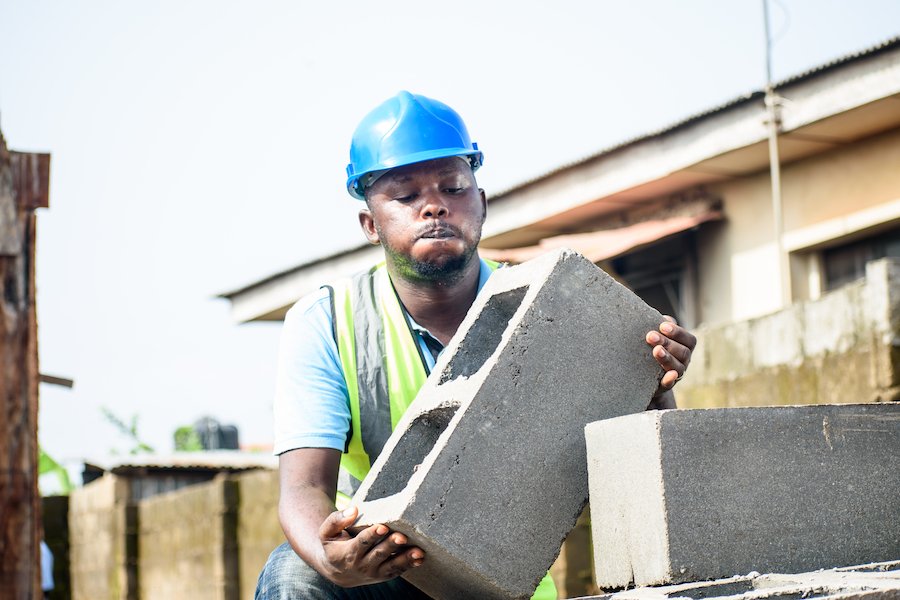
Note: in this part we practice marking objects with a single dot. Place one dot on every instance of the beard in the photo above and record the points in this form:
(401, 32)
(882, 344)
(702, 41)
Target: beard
(448, 270)
(444, 270)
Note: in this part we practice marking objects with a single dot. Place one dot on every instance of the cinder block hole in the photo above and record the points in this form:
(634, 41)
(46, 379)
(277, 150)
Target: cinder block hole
(409, 453)
(483, 337)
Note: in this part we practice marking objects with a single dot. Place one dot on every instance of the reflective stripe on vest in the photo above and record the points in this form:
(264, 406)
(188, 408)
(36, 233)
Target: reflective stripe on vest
(382, 365)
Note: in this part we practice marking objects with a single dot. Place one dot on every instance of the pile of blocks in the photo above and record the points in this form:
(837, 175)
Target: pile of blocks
(488, 469)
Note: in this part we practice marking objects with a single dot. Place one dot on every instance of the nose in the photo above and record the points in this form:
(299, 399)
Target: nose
(434, 207)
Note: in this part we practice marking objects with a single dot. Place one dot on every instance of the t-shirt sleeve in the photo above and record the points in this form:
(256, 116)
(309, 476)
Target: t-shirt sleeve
(311, 407)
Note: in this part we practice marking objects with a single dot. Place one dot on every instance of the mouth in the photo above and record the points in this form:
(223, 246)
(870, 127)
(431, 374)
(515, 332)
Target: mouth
(438, 233)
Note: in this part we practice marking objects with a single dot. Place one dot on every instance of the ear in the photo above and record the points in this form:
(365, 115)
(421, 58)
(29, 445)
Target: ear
(367, 223)
(483, 204)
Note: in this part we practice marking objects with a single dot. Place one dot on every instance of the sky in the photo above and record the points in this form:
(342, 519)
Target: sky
(200, 146)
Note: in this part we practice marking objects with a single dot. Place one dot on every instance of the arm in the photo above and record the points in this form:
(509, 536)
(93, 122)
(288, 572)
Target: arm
(672, 349)
(312, 416)
(317, 532)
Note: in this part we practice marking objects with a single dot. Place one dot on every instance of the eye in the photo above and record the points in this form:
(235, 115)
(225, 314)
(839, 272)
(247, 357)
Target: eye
(406, 198)
(455, 190)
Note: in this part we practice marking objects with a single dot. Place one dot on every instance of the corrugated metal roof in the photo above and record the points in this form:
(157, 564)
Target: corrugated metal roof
(883, 46)
(608, 243)
(740, 100)
(226, 460)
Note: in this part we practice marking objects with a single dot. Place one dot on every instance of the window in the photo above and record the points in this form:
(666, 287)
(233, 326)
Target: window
(846, 263)
(662, 275)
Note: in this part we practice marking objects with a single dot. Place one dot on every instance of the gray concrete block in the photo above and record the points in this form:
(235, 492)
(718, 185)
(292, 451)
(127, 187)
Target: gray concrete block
(687, 495)
(486, 471)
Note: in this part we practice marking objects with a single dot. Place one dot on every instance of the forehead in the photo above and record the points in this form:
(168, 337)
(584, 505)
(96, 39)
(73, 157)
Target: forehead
(440, 167)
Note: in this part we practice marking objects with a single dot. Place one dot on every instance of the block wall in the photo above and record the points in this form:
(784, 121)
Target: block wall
(188, 544)
(258, 528)
(102, 536)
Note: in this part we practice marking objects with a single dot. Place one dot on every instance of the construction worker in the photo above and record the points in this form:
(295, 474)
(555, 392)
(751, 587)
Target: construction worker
(354, 354)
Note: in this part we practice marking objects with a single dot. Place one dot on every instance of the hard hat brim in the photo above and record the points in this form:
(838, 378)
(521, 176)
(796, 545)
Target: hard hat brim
(474, 157)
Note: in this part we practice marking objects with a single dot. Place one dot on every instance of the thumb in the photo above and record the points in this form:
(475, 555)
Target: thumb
(337, 522)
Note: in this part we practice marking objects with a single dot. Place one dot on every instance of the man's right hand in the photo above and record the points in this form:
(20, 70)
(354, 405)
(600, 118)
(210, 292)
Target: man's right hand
(373, 555)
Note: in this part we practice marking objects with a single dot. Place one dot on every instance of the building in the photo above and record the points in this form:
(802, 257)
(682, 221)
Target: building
(684, 216)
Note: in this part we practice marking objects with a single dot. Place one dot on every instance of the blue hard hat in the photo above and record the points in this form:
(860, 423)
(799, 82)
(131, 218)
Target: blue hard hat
(403, 130)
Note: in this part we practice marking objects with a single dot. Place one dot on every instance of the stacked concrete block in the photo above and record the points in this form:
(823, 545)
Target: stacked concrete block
(103, 540)
(187, 546)
(486, 471)
(258, 528)
(688, 495)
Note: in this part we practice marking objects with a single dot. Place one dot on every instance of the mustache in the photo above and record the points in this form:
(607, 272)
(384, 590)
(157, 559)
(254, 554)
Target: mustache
(437, 229)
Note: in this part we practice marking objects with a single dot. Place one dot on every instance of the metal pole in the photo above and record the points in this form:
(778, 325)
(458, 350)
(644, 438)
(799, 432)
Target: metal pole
(773, 122)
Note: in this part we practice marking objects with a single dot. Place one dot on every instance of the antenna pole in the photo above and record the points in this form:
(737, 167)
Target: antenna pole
(773, 124)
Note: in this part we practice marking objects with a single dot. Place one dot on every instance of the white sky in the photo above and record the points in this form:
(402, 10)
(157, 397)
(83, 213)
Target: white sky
(199, 146)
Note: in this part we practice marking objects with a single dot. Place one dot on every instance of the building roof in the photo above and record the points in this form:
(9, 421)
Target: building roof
(848, 98)
(214, 460)
(755, 96)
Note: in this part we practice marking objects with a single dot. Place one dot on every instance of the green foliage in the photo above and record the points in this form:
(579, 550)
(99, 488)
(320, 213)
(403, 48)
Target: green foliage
(187, 439)
(46, 465)
(129, 431)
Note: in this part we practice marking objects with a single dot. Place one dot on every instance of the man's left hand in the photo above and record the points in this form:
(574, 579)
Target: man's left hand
(672, 348)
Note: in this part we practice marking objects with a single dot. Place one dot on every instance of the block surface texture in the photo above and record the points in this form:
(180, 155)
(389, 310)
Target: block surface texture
(486, 470)
(687, 495)
(877, 581)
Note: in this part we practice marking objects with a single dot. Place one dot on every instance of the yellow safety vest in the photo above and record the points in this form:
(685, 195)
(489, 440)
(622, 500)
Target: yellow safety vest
(383, 368)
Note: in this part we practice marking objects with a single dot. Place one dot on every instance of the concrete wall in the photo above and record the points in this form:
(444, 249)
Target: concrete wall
(837, 349)
(211, 541)
(188, 543)
(738, 262)
(258, 529)
(208, 540)
(101, 537)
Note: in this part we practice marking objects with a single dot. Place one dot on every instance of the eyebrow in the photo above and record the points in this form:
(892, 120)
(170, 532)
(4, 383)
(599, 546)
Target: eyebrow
(404, 178)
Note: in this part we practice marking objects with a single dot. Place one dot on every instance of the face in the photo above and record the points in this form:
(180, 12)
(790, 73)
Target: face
(428, 217)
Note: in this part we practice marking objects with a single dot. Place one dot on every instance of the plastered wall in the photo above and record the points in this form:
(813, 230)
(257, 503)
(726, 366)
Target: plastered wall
(738, 267)
(837, 349)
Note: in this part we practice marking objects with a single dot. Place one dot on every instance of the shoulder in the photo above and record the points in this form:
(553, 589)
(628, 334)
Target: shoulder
(308, 322)
(316, 307)
(309, 305)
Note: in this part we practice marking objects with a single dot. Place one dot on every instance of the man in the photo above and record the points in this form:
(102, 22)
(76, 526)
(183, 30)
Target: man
(354, 354)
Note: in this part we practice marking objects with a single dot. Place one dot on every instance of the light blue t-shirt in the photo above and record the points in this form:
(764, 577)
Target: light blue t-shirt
(312, 407)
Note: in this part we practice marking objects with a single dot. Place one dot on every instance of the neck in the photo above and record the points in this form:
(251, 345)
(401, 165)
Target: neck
(439, 306)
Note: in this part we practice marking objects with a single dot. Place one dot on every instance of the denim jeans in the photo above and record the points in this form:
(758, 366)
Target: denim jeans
(287, 577)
